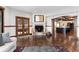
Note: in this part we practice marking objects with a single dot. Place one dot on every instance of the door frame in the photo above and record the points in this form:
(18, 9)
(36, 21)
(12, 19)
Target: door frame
(22, 23)
(2, 12)
(53, 28)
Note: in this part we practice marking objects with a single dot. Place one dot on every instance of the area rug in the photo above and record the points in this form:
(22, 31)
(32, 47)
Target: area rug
(18, 49)
(44, 49)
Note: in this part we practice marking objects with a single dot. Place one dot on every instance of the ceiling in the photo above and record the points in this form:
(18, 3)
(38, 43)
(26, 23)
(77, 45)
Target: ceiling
(39, 9)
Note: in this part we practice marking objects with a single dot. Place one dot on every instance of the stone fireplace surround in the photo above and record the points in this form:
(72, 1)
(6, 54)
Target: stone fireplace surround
(39, 27)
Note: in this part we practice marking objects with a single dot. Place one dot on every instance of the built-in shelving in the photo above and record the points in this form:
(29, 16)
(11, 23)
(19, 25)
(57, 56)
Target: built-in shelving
(22, 26)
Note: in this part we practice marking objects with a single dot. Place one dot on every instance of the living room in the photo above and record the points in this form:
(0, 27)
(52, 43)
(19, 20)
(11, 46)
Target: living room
(37, 28)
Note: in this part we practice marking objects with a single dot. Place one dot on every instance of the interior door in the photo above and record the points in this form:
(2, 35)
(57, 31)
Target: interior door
(19, 24)
(25, 26)
(22, 26)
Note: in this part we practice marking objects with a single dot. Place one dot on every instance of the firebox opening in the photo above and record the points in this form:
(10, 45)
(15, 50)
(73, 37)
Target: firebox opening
(38, 28)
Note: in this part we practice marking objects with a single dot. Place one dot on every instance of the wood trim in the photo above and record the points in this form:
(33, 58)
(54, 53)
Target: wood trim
(30, 33)
(9, 26)
(53, 30)
(22, 17)
(13, 36)
(2, 8)
(2, 12)
(16, 25)
(13, 26)
(28, 25)
(22, 25)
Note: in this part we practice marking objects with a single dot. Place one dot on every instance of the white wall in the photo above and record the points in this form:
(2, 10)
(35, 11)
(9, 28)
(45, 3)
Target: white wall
(73, 11)
(9, 19)
(49, 24)
(64, 12)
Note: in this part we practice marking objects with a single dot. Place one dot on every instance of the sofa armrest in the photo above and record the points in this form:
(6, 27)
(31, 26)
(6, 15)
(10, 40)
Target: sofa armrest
(13, 39)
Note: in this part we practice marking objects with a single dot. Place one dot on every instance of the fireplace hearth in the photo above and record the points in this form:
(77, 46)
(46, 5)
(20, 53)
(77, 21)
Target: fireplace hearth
(39, 28)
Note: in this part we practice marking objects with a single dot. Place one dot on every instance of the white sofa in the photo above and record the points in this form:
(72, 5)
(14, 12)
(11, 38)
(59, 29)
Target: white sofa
(10, 46)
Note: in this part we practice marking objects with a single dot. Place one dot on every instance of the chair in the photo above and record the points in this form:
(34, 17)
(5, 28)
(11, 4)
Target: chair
(49, 38)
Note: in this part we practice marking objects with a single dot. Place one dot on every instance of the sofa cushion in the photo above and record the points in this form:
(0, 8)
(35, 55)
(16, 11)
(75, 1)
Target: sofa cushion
(1, 40)
(6, 37)
(10, 46)
(7, 47)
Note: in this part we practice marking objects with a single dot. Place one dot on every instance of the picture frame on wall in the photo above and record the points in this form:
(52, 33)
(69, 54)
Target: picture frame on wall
(39, 18)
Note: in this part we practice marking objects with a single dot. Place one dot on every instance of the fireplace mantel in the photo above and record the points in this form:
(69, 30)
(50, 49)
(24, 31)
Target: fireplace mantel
(39, 24)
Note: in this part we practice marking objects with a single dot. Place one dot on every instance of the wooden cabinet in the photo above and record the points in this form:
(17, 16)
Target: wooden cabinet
(22, 26)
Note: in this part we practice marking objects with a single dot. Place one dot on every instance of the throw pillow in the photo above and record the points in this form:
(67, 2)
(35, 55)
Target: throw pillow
(6, 37)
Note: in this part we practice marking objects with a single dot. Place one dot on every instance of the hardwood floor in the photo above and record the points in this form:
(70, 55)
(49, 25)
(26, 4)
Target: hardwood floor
(69, 41)
(68, 44)
(34, 42)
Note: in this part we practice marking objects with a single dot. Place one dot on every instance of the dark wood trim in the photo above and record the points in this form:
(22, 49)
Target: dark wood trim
(16, 25)
(22, 17)
(53, 30)
(28, 25)
(9, 26)
(30, 33)
(2, 21)
(13, 26)
(53, 26)
(2, 12)
(2, 8)
(13, 36)
(22, 25)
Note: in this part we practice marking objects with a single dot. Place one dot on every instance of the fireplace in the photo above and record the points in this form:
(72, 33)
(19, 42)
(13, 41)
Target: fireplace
(39, 28)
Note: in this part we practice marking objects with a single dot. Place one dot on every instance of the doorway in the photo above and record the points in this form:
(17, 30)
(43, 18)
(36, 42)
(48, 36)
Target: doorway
(63, 27)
